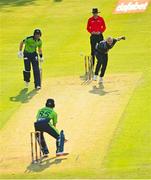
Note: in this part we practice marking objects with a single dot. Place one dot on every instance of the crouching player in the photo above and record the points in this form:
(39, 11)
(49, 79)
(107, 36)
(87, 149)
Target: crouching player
(46, 122)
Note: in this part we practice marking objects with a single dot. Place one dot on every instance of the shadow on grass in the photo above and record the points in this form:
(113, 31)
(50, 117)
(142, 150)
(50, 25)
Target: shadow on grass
(44, 164)
(100, 90)
(14, 3)
(24, 96)
(85, 80)
(57, 0)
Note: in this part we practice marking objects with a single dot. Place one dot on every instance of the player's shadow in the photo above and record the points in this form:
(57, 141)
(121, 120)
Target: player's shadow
(24, 96)
(85, 80)
(83, 77)
(8, 5)
(100, 90)
(44, 164)
(16, 2)
(57, 0)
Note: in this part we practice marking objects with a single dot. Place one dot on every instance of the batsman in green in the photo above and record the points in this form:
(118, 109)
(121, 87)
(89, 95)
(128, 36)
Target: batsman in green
(30, 55)
(46, 122)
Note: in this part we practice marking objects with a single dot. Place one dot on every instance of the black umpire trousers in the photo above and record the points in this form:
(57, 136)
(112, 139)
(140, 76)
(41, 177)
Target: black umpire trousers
(102, 60)
(31, 58)
(93, 40)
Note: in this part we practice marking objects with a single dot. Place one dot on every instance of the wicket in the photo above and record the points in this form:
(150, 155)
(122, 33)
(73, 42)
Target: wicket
(88, 67)
(36, 155)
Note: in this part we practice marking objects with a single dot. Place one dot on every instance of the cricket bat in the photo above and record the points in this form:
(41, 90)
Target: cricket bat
(40, 68)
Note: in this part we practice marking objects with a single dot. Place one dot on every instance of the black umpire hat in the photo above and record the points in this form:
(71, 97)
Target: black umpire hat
(95, 10)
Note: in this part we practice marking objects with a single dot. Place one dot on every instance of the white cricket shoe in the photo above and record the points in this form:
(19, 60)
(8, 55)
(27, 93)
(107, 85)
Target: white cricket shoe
(101, 80)
(94, 77)
(38, 87)
(26, 83)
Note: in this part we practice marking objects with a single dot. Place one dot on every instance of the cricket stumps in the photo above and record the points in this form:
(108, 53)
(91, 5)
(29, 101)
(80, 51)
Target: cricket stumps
(36, 155)
(88, 65)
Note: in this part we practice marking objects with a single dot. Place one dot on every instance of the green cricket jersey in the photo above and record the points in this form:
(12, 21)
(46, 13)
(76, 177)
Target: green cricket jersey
(31, 44)
(49, 114)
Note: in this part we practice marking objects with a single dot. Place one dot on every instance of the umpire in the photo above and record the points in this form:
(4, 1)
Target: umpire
(30, 56)
(101, 53)
(95, 26)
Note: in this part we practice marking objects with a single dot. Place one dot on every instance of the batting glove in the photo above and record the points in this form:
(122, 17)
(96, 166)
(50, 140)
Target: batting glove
(41, 59)
(20, 54)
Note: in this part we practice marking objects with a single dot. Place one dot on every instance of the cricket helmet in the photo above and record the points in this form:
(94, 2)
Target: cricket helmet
(37, 31)
(50, 103)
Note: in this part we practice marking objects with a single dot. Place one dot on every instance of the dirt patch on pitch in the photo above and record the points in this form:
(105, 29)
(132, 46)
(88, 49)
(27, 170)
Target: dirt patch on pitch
(88, 113)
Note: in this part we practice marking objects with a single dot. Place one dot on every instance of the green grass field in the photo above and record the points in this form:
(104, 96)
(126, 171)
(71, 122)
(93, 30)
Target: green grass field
(63, 25)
